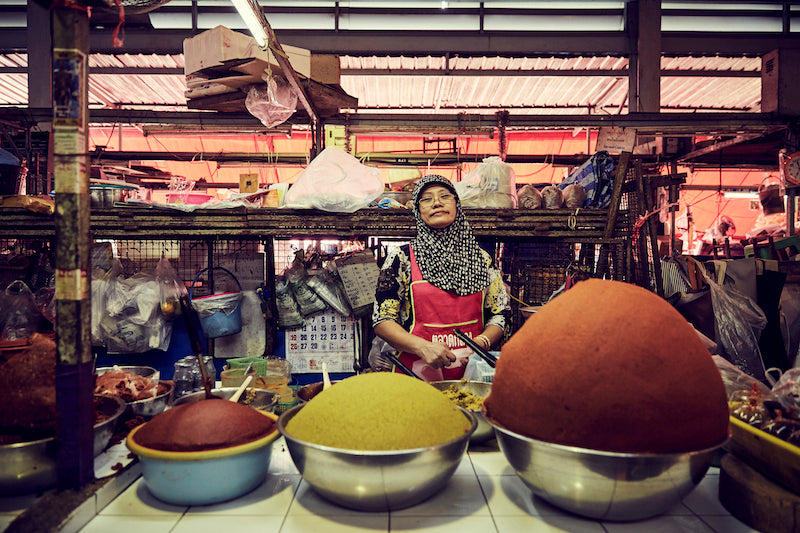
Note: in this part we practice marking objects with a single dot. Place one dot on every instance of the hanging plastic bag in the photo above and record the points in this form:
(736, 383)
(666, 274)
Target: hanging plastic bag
(335, 181)
(273, 102)
(307, 300)
(20, 315)
(491, 184)
(288, 313)
(130, 318)
(171, 288)
(328, 285)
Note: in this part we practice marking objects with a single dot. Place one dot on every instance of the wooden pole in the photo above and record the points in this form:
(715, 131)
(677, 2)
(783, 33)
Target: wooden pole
(74, 383)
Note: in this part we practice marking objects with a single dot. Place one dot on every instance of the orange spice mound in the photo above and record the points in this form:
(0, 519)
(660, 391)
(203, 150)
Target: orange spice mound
(610, 366)
(204, 425)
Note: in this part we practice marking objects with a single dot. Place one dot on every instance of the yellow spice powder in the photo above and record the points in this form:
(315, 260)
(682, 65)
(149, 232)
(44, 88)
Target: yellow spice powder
(379, 411)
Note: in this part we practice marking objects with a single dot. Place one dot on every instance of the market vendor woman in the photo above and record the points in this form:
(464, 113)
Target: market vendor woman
(441, 281)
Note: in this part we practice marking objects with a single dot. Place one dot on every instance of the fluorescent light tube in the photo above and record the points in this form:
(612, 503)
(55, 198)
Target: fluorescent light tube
(251, 13)
(748, 195)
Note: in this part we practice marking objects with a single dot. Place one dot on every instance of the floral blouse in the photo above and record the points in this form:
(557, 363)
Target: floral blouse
(393, 302)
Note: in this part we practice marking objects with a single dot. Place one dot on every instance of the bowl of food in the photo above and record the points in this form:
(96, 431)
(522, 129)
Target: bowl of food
(604, 485)
(261, 399)
(129, 383)
(107, 411)
(360, 458)
(614, 415)
(204, 452)
(148, 407)
(469, 395)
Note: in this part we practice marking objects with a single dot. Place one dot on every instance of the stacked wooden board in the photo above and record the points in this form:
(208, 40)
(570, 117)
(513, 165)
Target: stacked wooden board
(221, 65)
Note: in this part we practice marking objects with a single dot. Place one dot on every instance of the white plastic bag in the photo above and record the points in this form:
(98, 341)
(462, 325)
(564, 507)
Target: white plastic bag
(491, 184)
(335, 181)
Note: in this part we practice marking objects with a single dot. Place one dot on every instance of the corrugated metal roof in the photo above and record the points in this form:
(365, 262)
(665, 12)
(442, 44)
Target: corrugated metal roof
(523, 85)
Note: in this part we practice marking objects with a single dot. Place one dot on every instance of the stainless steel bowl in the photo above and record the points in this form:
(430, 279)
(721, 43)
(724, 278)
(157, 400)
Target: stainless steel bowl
(27, 467)
(484, 431)
(375, 480)
(262, 399)
(604, 485)
(152, 406)
(105, 429)
(31, 466)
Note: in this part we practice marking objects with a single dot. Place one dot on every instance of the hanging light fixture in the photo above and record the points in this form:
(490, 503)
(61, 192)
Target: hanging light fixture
(253, 17)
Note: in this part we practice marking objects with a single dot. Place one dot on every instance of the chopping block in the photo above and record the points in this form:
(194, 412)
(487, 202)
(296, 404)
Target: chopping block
(755, 499)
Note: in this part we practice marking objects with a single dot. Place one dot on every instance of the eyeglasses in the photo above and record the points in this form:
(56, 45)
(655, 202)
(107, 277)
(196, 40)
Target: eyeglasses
(427, 201)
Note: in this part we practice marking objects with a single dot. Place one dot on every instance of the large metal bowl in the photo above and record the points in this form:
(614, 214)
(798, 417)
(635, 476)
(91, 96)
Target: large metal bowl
(31, 466)
(484, 431)
(261, 399)
(604, 485)
(375, 480)
(204, 477)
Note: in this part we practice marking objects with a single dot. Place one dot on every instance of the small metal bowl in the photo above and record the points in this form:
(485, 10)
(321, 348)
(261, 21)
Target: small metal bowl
(262, 399)
(484, 430)
(375, 480)
(204, 477)
(152, 406)
(604, 485)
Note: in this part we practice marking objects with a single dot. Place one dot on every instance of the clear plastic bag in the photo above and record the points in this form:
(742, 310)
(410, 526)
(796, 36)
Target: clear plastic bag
(21, 316)
(738, 324)
(491, 184)
(479, 370)
(273, 102)
(335, 181)
(377, 355)
(328, 285)
(308, 302)
(288, 313)
(171, 288)
(130, 318)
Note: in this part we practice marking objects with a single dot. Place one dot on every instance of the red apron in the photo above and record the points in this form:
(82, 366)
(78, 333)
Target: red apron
(437, 313)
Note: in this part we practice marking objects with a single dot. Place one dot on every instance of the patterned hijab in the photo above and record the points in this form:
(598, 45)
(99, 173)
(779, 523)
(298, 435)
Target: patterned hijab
(449, 258)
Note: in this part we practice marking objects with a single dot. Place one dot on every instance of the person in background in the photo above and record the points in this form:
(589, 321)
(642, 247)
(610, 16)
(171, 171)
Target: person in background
(441, 281)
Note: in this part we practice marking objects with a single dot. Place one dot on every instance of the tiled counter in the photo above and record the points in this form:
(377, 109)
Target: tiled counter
(483, 496)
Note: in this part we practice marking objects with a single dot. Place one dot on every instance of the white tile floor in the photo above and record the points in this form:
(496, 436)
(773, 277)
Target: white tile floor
(483, 496)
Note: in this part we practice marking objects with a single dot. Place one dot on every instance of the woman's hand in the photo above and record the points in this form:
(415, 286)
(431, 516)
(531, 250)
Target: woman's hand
(435, 354)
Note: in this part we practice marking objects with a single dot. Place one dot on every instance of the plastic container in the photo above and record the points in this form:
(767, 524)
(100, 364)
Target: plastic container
(193, 198)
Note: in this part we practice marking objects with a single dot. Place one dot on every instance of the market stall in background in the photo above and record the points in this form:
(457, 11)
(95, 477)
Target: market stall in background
(232, 253)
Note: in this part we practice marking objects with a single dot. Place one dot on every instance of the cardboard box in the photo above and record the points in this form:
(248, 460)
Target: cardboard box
(325, 68)
(222, 48)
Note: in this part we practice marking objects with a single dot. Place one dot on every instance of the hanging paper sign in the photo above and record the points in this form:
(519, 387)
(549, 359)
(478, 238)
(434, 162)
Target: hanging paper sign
(359, 274)
(615, 140)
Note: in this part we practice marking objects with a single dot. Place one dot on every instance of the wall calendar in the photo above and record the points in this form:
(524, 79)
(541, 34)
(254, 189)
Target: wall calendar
(328, 337)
